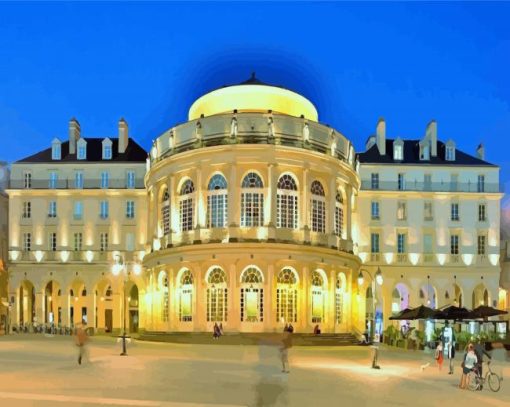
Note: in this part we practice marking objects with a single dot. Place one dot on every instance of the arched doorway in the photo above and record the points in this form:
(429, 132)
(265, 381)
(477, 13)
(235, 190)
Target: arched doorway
(252, 295)
(52, 304)
(26, 303)
(132, 307)
(318, 294)
(217, 295)
(286, 296)
(339, 298)
(480, 296)
(164, 295)
(185, 295)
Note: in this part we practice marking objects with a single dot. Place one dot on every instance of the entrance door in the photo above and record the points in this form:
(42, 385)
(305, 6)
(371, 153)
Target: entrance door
(108, 320)
(133, 320)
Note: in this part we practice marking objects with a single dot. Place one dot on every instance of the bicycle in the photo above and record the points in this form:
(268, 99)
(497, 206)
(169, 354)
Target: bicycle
(476, 381)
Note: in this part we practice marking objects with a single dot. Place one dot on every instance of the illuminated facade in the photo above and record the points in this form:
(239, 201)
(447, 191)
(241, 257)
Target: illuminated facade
(4, 210)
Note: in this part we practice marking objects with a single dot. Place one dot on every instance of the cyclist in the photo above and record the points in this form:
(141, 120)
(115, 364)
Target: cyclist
(480, 351)
(469, 363)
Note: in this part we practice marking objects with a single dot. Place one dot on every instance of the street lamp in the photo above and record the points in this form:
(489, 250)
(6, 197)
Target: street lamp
(118, 267)
(379, 280)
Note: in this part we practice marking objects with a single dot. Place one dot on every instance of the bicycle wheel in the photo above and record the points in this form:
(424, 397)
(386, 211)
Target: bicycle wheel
(494, 381)
(472, 381)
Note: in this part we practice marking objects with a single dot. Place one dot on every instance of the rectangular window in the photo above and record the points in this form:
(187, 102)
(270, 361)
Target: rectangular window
(53, 180)
(103, 242)
(481, 183)
(52, 242)
(27, 180)
(339, 220)
(375, 181)
(130, 179)
(78, 210)
(401, 182)
(82, 151)
(130, 209)
(427, 182)
(104, 179)
(78, 242)
(427, 243)
(78, 179)
(374, 243)
(401, 211)
(482, 212)
(375, 210)
(130, 242)
(481, 244)
(454, 244)
(428, 213)
(398, 152)
(27, 242)
(450, 154)
(107, 152)
(186, 214)
(103, 209)
(55, 152)
(27, 210)
(455, 212)
(401, 243)
(52, 209)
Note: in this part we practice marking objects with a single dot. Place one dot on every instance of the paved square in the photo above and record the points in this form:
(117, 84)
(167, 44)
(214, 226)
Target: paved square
(43, 371)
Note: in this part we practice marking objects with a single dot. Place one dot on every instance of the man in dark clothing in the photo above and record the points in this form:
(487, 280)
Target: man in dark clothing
(479, 352)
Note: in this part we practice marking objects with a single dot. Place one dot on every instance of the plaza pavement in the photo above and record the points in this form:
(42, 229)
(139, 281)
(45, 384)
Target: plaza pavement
(42, 371)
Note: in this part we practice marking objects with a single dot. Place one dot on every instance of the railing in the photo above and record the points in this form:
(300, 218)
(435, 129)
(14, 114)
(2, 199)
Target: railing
(62, 256)
(86, 183)
(375, 257)
(428, 258)
(402, 257)
(433, 187)
(454, 258)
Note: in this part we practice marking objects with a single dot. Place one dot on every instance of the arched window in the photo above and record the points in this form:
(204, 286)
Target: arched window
(252, 201)
(339, 297)
(186, 205)
(165, 211)
(318, 207)
(339, 215)
(163, 288)
(286, 296)
(186, 296)
(252, 295)
(287, 202)
(217, 202)
(318, 300)
(217, 295)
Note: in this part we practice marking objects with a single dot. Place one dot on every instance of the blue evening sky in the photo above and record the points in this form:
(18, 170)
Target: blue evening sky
(407, 62)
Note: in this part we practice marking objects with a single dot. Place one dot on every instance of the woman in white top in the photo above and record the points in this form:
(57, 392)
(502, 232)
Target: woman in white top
(470, 360)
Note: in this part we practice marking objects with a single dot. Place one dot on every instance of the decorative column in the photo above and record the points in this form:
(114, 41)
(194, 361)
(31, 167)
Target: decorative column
(348, 211)
(175, 226)
(39, 306)
(117, 312)
(234, 204)
(234, 314)
(272, 200)
(330, 217)
(199, 212)
(306, 313)
(270, 317)
(305, 206)
(330, 305)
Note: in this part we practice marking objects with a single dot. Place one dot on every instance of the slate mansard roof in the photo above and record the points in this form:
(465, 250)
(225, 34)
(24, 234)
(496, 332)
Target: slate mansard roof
(134, 153)
(412, 155)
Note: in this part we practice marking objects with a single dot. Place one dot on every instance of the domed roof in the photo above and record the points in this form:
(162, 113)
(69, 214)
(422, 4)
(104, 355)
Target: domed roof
(253, 95)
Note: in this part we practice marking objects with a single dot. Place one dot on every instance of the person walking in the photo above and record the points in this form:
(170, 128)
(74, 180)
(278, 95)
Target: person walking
(284, 351)
(451, 356)
(81, 340)
(469, 363)
(439, 355)
(480, 351)
(216, 331)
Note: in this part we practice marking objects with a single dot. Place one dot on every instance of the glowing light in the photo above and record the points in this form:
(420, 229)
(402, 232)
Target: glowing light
(388, 257)
(14, 255)
(64, 255)
(156, 244)
(141, 255)
(137, 269)
(363, 256)
(494, 259)
(253, 98)
(75, 299)
(414, 258)
(441, 258)
(39, 255)
(102, 298)
(49, 298)
(116, 268)
(379, 277)
(468, 259)
(89, 255)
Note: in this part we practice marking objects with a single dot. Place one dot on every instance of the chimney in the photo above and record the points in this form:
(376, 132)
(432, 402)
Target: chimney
(380, 137)
(431, 135)
(123, 136)
(74, 135)
(480, 152)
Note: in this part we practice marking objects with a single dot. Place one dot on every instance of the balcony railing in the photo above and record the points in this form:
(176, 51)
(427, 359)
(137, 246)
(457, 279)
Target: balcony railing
(454, 258)
(87, 183)
(428, 258)
(61, 256)
(433, 187)
(402, 257)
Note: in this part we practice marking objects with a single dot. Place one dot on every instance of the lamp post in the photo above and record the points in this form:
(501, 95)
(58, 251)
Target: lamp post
(379, 280)
(119, 266)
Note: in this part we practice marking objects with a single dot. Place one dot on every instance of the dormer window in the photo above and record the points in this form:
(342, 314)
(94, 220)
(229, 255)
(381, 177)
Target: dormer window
(450, 151)
(425, 152)
(398, 150)
(56, 150)
(107, 149)
(82, 149)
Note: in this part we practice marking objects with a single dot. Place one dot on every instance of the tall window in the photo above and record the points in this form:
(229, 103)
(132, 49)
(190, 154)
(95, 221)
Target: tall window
(401, 182)
(27, 210)
(103, 209)
(398, 152)
(252, 295)
(107, 152)
(165, 212)
(27, 178)
(103, 242)
(481, 245)
(374, 210)
(401, 210)
(318, 294)
(217, 296)
(339, 215)
(450, 153)
(78, 210)
(130, 179)
(130, 209)
(287, 202)
(165, 298)
(339, 296)
(186, 205)
(455, 211)
(52, 209)
(82, 150)
(52, 242)
(27, 242)
(375, 181)
(217, 202)
(78, 179)
(286, 296)
(482, 212)
(318, 207)
(78, 242)
(55, 151)
(104, 179)
(186, 297)
(252, 200)
(454, 244)
(428, 213)
(481, 183)
(401, 243)
(374, 242)
(53, 180)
